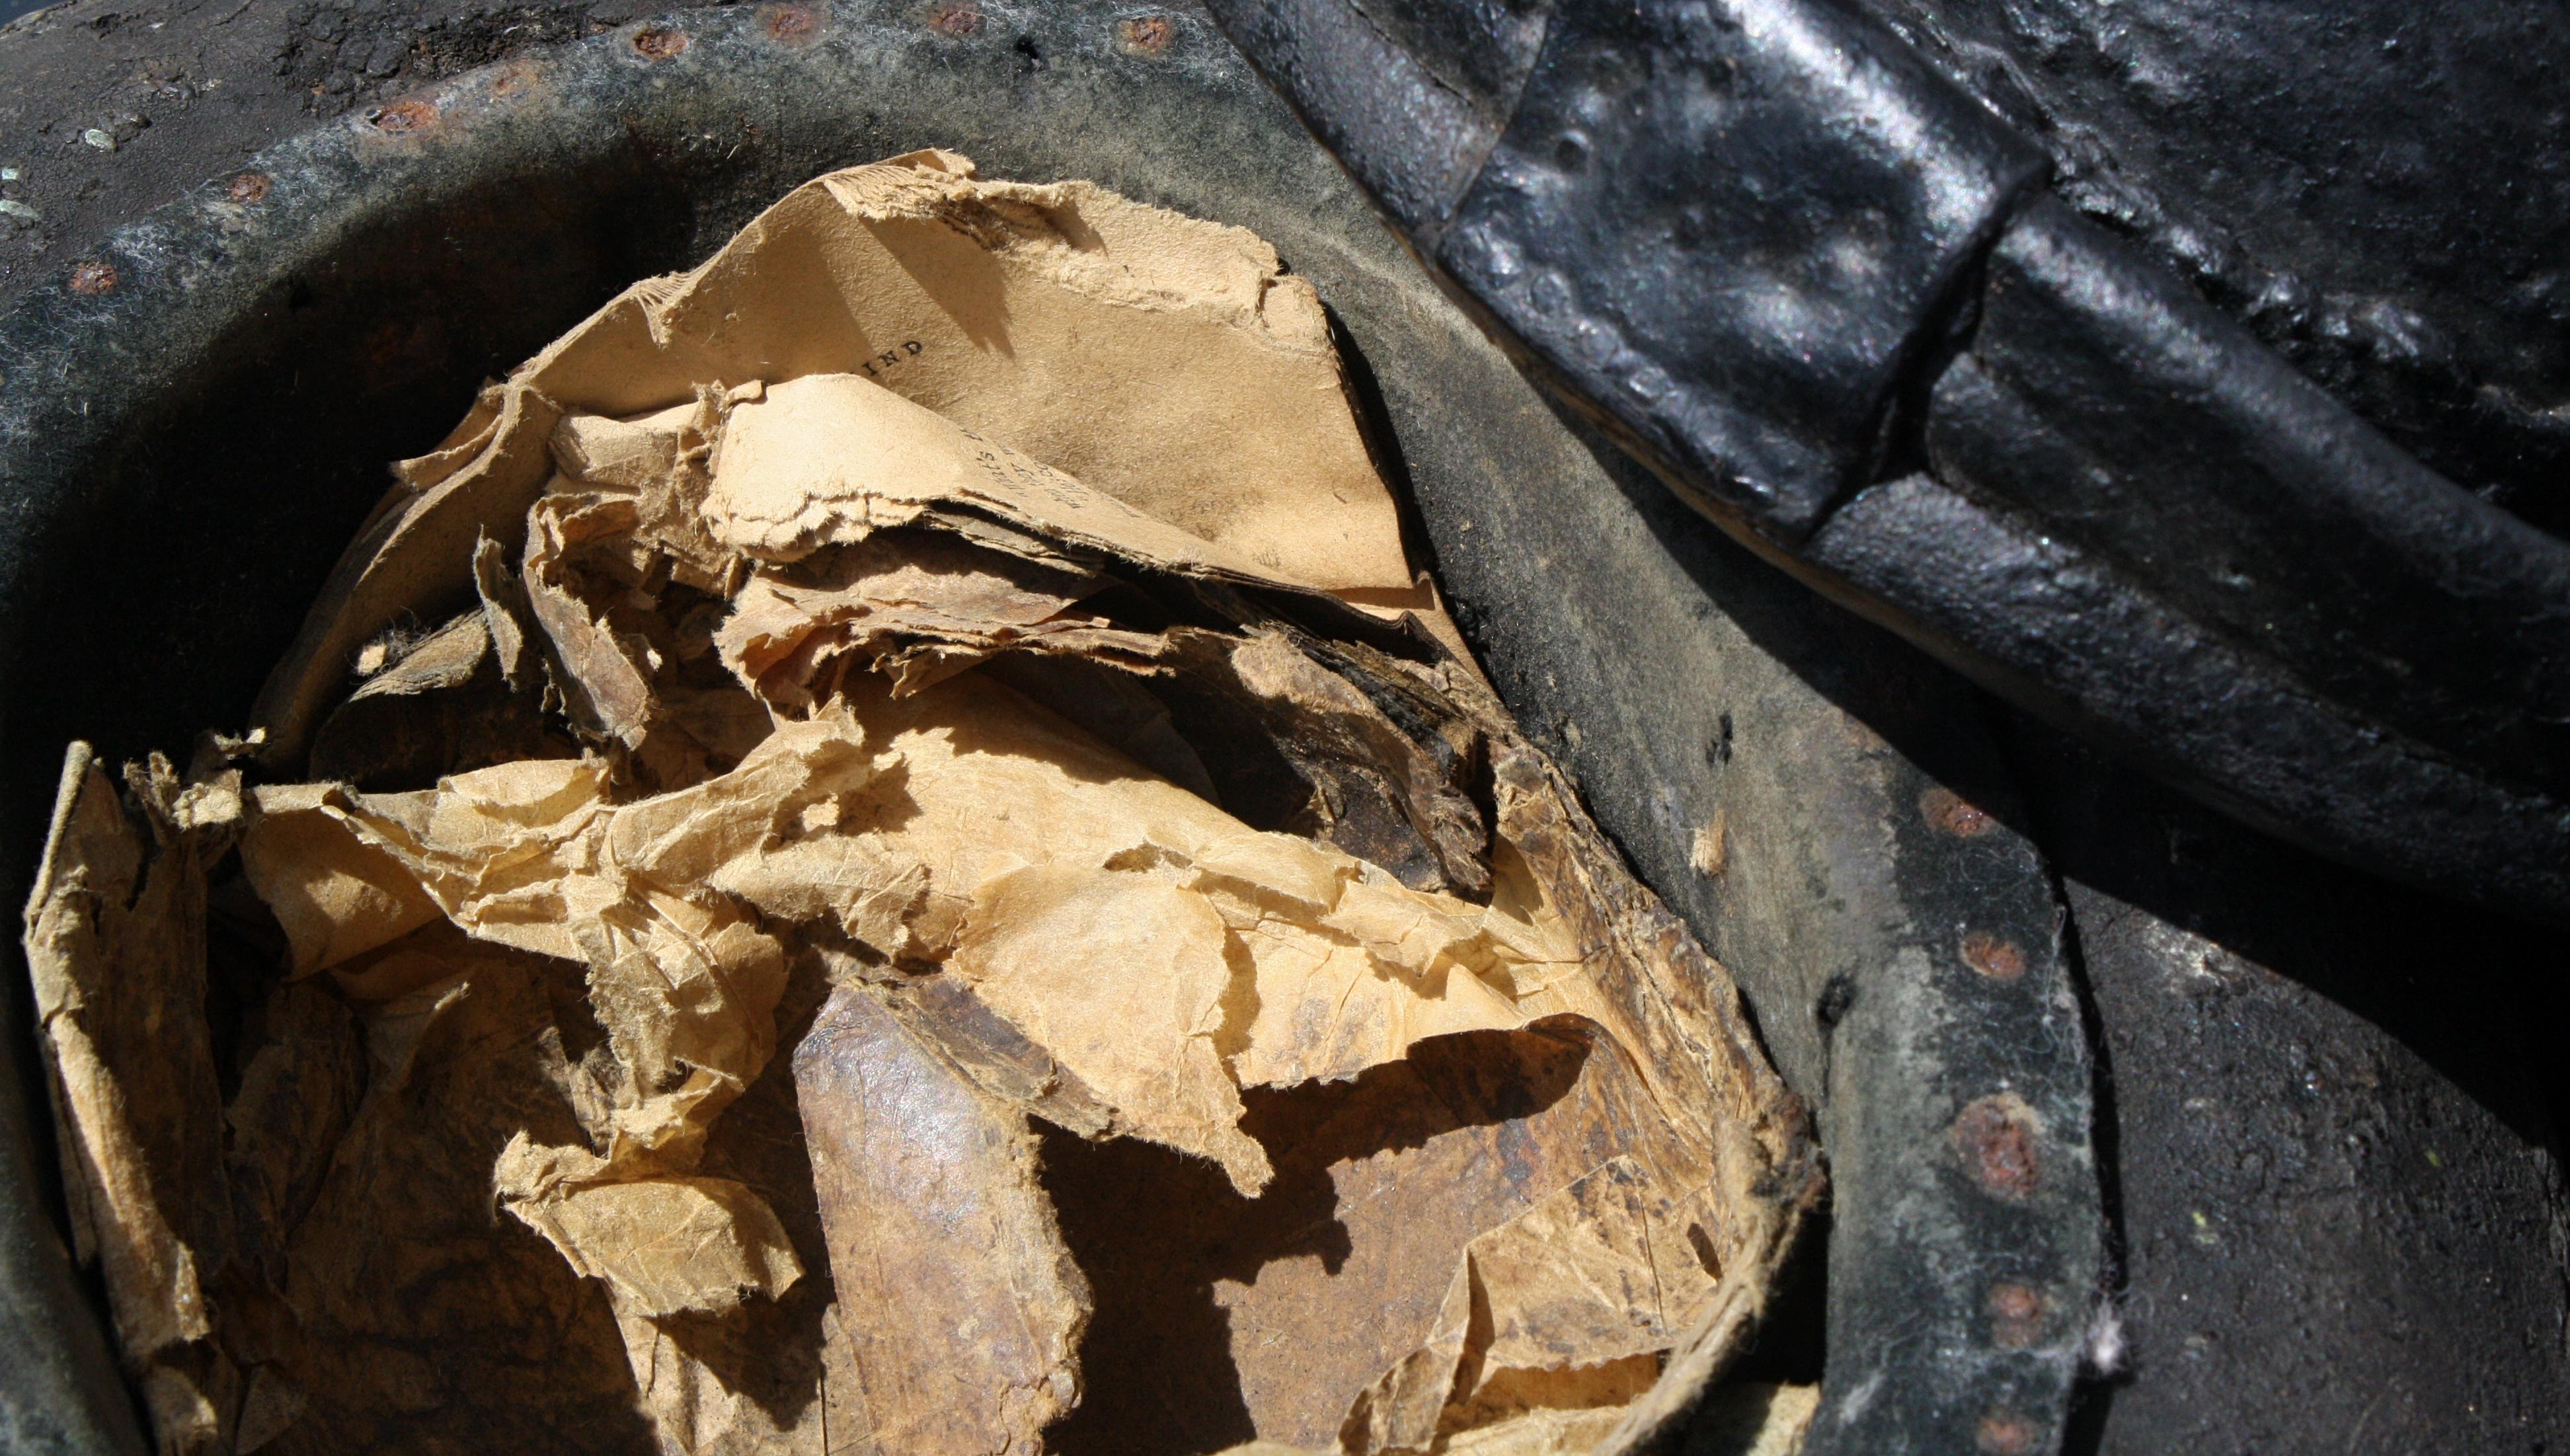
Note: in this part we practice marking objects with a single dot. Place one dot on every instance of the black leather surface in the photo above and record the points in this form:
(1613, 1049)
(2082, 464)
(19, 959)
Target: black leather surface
(1785, 257)
(2380, 188)
(1731, 229)
(2101, 397)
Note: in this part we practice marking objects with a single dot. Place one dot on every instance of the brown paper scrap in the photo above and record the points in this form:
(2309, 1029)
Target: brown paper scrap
(116, 945)
(1167, 362)
(529, 855)
(668, 1245)
(829, 458)
(1560, 1309)
(971, 1310)
(427, 1320)
(916, 606)
(956, 635)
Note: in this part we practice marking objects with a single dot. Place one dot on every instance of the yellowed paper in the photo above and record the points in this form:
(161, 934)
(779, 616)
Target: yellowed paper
(924, 897)
(115, 938)
(1559, 1313)
(1167, 362)
(971, 1307)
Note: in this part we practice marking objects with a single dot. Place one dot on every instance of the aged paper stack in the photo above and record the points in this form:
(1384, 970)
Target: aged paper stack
(907, 868)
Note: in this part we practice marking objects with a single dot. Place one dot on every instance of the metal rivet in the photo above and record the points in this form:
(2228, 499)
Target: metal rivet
(1953, 814)
(660, 43)
(1995, 1137)
(515, 78)
(2004, 1433)
(2017, 1315)
(1993, 956)
(403, 116)
(792, 25)
(1147, 35)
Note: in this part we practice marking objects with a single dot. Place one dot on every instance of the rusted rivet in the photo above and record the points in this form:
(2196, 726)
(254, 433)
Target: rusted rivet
(1950, 812)
(248, 188)
(1993, 956)
(2004, 1433)
(1147, 35)
(1995, 1136)
(94, 277)
(2017, 1315)
(659, 42)
(517, 77)
(403, 116)
(791, 25)
(956, 19)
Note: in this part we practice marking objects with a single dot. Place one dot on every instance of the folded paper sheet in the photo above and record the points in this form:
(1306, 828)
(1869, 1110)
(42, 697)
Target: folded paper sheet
(940, 890)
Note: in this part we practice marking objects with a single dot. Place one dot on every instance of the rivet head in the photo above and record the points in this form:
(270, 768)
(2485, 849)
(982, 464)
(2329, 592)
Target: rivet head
(956, 19)
(94, 277)
(402, 117)
(660, 43)
(1950, 813)
(250, 189)
(1996, 1138)
(1994, 956)
(791, 25)
(515, 78)
(2004, 1433)
(1147, 35)
(2017, 1315)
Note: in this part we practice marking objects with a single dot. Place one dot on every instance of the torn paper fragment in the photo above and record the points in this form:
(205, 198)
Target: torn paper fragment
(116, 947)
(605, 675)
(915, 605)
(967, 1310)
(769, 1375)
(1384, 792)
(507, 616)
(1110, 704)
(438, 705)
(830, 459)
(1340, 1268)
(336, 894)
(1558, 1310)
(297, 1094)
(1330, 1003)
(411, 557)
(942, 1013)
(1209, 397)
(1571, 1283)
(1343, 972)
(429, 1320)
(1546, 1432)
(635, 456)
(990, 781)
(1210, 394)
(1124, 979)
(664, 1246)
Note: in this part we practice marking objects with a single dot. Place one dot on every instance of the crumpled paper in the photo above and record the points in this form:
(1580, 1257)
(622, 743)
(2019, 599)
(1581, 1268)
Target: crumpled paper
(942, 887)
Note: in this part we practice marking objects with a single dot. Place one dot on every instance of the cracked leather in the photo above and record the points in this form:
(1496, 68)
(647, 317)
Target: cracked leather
(2378, 187)
(2102, 398)
(1785, 259)
(1744, 325)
